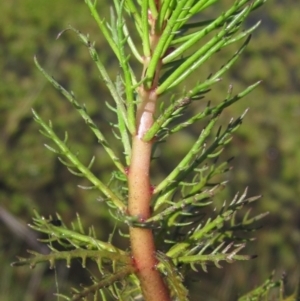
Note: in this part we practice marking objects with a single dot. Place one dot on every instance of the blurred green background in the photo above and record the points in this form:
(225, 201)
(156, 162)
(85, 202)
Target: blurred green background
(266, 147)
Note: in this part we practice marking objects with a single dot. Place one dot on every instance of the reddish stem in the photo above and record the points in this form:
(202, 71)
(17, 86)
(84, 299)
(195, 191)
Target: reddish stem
(140, 193)
(140, 189)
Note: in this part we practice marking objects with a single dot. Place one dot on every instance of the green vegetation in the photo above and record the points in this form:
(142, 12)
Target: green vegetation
(265, 148)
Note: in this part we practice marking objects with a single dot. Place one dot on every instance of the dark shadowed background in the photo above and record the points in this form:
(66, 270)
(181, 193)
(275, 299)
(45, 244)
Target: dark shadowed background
(266, 148)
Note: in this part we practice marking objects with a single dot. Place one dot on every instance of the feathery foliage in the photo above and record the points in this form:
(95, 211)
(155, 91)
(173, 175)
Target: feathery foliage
(177, 225)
